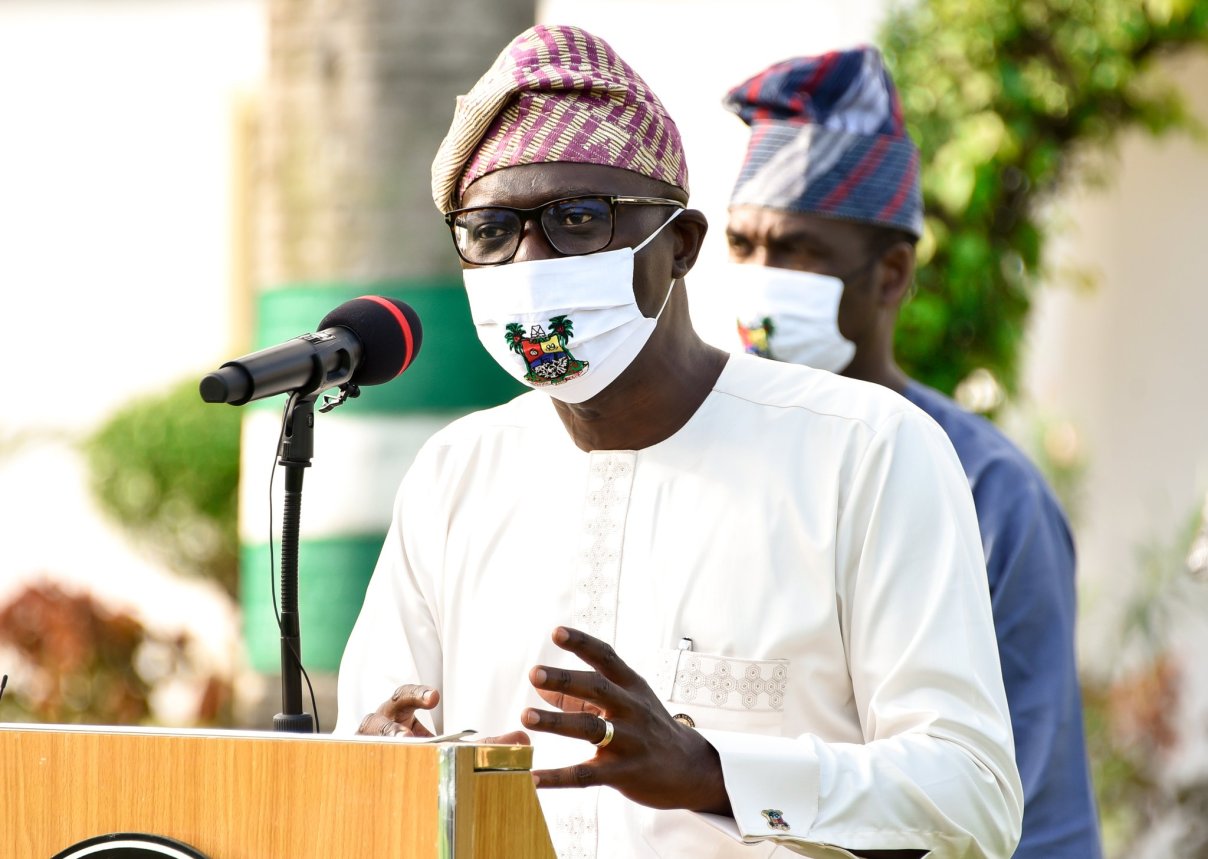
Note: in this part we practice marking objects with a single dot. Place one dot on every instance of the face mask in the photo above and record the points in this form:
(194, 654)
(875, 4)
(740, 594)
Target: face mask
(568, 326)
(790, 316)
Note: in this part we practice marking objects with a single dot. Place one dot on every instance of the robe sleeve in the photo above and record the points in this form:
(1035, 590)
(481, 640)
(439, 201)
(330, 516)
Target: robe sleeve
(936, 770)
(1030, 559)
(396, 637)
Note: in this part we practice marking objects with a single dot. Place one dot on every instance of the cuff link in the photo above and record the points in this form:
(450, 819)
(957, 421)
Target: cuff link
(775, 819)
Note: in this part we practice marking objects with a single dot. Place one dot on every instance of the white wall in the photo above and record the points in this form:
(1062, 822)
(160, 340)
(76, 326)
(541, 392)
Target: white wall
(1127, 361)
(115, 210)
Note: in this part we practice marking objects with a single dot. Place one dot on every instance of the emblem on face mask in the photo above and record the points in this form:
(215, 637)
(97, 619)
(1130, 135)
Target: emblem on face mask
(775, 819)
(755, 339)
(547, 360)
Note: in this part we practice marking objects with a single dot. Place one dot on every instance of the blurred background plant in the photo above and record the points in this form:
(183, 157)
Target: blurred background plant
(73, 660)
(166, 469)
(1138, 720)
(1002, 98)
(1139, 725)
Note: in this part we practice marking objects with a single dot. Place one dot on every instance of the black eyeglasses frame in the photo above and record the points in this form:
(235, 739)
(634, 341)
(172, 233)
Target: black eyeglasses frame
(534, 213)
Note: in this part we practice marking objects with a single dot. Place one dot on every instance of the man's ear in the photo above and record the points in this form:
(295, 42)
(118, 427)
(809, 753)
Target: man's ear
(689, 230)
(896, 272)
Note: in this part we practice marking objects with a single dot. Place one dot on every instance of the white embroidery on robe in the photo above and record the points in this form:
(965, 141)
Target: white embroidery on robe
(610, 479)
(574, 833)
(731, 684)
(597, 584)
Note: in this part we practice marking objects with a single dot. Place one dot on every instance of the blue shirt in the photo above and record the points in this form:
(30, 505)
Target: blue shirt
(1030, 565)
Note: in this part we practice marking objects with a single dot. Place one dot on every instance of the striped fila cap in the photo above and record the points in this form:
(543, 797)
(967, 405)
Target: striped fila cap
(827, 138)
(557, 94)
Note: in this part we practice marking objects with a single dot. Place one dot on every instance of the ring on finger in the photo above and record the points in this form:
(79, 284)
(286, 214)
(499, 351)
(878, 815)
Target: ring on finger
(608, 733)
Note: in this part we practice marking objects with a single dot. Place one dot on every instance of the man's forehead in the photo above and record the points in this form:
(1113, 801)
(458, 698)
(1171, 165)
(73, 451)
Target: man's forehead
(533, 184)
(780, 225)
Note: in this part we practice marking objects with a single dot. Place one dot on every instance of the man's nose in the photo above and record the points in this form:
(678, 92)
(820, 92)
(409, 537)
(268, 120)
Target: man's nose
(533, 243)
(760, 256)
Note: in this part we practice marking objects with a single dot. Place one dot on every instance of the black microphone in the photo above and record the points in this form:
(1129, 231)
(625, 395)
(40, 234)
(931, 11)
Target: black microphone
(366, 341)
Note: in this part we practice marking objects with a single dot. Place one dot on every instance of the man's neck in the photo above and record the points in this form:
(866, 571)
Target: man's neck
(887, 375)
(874, 362)
(650, 402)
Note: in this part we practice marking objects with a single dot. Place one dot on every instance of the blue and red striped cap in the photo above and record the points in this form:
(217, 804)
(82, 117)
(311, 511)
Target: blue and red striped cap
(827, 138)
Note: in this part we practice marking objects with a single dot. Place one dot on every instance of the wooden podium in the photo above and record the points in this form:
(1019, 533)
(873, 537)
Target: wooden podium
(247, 795)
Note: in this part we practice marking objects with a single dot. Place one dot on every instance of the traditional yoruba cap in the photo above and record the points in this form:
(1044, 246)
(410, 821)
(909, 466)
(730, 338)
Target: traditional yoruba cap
(557, 94)
(827, 138)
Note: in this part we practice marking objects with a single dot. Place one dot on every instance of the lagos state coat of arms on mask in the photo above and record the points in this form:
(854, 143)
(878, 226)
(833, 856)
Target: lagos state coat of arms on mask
(547, 360)
(755, 338)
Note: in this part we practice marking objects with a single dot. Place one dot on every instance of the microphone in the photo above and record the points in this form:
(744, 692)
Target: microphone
(366, 341)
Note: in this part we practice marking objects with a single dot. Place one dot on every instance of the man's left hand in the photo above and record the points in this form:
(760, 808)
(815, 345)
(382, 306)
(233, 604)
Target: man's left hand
(651, 758)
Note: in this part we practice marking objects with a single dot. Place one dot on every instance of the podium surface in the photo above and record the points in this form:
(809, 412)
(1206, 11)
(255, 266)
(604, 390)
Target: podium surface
(250, 795)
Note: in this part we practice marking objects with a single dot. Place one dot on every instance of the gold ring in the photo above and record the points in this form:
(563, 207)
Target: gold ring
(608, 732)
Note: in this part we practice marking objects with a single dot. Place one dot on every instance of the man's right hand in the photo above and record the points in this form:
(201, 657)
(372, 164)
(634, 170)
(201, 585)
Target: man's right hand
(397, 716)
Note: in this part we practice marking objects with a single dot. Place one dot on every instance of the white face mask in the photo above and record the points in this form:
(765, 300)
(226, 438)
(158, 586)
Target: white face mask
(790, 316)
(568, 326)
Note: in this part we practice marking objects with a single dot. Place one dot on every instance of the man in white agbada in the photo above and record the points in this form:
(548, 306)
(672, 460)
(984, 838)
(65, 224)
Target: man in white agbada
(757, 589)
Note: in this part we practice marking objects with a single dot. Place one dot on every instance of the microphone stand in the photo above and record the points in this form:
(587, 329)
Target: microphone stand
(293, 455)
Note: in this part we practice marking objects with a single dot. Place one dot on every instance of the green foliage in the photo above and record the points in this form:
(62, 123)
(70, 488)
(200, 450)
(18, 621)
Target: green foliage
(167, 469)
(1000, 96)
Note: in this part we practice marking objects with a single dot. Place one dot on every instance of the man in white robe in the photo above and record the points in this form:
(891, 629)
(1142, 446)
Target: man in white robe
(758, 589)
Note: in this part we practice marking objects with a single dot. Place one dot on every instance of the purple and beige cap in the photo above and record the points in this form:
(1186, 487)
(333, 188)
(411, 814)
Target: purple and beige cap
(557, 93)
(827, 138)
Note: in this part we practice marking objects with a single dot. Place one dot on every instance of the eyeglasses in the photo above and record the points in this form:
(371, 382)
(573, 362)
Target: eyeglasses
(490, 235)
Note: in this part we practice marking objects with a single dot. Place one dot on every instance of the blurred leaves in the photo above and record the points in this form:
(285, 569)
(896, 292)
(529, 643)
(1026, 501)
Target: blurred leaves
(1135, 720)
(166, 468)
(78, 662)
(13, 442)
(1128, 729)
(1001, 97)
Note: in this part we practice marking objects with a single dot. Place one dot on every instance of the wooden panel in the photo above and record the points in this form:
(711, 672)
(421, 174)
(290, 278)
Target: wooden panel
(504, 805)
(223, 795)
